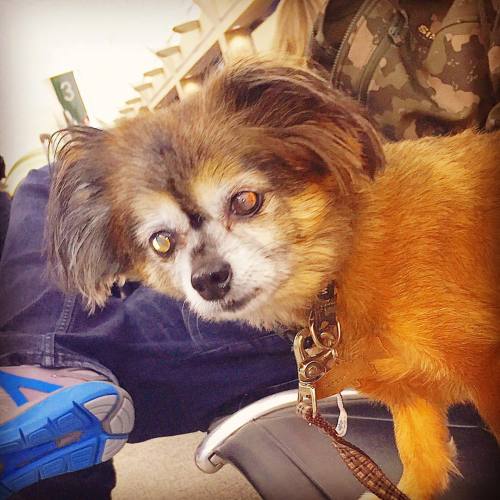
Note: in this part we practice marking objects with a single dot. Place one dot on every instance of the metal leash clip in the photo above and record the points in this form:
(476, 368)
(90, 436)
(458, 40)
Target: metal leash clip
(314, 348)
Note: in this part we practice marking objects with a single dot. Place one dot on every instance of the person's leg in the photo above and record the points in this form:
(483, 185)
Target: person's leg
(181, 373)
(4, 216)
(51, 420)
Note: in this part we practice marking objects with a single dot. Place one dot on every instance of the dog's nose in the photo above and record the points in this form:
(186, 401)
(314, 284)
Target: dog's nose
(212, 280)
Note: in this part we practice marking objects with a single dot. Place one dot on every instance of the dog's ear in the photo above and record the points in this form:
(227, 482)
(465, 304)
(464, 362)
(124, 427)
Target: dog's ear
(371, 145)
(286, 96)
(78, 232)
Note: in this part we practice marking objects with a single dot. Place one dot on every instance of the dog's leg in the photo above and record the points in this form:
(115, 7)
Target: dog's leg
(424, 446)
(487, 401)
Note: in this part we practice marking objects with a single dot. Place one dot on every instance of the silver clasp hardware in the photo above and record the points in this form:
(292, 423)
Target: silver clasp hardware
(315, 347)
(313, 351)
(307, 399)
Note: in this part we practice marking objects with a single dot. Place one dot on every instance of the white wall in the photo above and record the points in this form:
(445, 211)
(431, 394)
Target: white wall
(105, 42)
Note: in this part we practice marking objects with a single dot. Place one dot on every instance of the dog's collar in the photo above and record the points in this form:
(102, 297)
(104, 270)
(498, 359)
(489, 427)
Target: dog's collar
(316, 345)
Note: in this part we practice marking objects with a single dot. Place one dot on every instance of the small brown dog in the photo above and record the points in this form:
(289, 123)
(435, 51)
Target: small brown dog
(249, 197)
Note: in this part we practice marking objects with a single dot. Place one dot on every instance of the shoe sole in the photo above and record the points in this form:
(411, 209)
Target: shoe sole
(72, 429)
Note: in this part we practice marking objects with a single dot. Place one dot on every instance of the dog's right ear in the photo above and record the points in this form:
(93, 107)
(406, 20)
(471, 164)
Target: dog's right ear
(78, 232)
(286, 96)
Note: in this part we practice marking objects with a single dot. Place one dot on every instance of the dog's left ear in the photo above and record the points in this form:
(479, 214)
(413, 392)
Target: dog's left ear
(81, 253)
(298, 102)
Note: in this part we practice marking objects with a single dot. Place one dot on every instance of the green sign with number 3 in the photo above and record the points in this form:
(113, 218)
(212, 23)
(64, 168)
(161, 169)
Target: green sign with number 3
(69, 96)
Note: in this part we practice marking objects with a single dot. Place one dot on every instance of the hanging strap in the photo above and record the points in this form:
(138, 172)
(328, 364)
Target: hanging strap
(364, 469)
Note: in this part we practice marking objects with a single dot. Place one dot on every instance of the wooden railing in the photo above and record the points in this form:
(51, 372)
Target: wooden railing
(224, 29)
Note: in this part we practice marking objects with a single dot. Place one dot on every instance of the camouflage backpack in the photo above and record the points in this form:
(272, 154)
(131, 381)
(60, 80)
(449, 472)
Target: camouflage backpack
(422, 67)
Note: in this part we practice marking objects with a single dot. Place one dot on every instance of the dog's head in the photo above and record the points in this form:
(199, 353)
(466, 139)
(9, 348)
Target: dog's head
(239, 199)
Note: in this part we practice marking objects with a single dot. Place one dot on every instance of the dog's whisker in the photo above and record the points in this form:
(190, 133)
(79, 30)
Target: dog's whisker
(198, 326)
(183, 307)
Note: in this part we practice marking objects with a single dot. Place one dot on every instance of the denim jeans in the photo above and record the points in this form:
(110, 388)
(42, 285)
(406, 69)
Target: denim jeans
(4, 216)
(180, 371)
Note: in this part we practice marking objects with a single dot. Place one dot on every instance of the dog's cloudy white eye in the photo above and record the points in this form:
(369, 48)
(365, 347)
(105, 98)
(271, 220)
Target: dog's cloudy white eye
(246, 203)
(163, 243)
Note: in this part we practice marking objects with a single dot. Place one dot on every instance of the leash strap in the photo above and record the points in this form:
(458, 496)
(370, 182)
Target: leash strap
(364, 469)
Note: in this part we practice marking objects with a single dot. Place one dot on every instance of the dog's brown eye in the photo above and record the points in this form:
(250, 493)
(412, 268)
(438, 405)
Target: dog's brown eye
(162, 243)
(246, 203)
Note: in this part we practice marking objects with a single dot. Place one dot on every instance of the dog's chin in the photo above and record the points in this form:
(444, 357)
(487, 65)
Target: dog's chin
(236, 306)
(242, 308)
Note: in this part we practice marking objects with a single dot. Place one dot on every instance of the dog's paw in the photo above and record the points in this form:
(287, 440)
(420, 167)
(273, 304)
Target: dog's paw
(368, 495)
